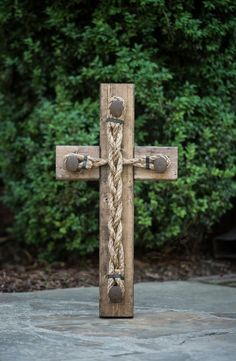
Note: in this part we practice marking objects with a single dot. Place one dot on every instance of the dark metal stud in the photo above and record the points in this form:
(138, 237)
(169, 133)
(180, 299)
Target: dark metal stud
(72, 163)
(115, 294)
(160, 165)
(116, 108)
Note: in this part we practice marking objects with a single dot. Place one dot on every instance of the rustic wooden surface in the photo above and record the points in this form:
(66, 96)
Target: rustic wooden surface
(146, 174)
(126, 91)
(124, 309)
(139, 173)
(63, 174)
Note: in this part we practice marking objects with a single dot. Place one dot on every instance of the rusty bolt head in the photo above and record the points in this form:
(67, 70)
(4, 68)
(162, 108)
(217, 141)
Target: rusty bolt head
(115, 294)
(72, 163)
(160, 165)
(116, 108)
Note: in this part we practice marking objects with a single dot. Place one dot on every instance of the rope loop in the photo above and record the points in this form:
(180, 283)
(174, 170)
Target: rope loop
(85, 161)
(147, 161)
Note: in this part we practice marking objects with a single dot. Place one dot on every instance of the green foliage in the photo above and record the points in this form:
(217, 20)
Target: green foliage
(181, 57)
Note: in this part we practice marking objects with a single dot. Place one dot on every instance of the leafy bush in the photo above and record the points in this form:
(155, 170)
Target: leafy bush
(181, 57)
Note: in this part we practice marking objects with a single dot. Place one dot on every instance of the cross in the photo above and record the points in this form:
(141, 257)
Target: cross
(116, 161)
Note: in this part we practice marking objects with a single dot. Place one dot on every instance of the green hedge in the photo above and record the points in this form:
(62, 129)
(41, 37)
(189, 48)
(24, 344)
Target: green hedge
(181, 57)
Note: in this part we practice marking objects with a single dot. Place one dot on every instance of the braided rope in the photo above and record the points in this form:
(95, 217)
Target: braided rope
(115, 162)
(115, 245)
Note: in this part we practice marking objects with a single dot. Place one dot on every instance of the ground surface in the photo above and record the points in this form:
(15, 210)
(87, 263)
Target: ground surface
(179, 321)
(28, 275)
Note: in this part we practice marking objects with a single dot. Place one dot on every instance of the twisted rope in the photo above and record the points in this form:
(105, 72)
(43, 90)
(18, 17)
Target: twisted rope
(85, 161)
(139, 162)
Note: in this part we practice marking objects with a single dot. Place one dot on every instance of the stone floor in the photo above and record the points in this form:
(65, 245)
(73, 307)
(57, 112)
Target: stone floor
(177, 321)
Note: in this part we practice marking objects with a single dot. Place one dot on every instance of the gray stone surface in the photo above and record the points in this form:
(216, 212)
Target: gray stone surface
(179, 321)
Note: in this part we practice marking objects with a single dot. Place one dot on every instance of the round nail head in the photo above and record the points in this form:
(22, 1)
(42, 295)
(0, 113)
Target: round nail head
(72, 163)
(160, 165)
(115, 294)
(116, 108)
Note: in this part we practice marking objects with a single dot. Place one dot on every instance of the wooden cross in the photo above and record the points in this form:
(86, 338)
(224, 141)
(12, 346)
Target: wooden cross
(129, 174)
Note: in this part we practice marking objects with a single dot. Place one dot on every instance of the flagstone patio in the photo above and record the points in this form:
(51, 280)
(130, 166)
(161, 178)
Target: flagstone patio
(178, 321)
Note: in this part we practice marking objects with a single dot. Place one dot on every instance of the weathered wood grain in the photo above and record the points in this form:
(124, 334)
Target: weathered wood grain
(126, 91)
(139, 173)
(63, 174)
(146, 174)
(124, 309)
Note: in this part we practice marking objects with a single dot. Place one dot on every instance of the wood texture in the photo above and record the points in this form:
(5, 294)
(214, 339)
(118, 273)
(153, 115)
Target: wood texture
(139, 173)
(63, 174)
(126, 91)
(146, 174)
(124, 309)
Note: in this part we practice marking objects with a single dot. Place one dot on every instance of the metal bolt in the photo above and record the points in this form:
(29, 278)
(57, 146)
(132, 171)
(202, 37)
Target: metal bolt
(115, 294)
(72, 163)
(160, 165)
(116, 108)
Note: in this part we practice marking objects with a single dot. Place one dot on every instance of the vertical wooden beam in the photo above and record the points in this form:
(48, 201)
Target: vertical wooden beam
(124, 309)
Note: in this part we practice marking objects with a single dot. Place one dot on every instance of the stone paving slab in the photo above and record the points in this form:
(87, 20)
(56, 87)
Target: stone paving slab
(181, 321)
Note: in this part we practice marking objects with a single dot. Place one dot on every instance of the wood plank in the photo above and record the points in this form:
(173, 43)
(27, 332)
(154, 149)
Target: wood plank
(63, 174)
(124, 309)
(139, 173)
(146, 174)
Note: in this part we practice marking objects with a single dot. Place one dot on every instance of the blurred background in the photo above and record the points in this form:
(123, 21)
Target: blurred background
(181, 57)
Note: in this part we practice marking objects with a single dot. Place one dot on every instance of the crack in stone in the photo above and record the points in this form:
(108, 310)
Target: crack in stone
(205, 334)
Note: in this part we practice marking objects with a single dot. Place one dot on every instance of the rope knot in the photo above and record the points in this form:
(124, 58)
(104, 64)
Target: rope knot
(75, 162)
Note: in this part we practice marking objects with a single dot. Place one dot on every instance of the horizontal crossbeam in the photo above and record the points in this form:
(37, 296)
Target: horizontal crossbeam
(139, 173)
